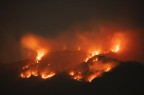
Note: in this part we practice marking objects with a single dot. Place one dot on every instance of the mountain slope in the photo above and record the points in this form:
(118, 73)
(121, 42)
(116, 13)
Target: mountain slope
(126, 79)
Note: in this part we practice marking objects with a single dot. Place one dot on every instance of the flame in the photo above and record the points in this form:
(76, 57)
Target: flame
(35, 43)
(46, 76)
(96, 68)
(26, 75)
(108, 69)
(93, 76)
(78, 77)
(34, 73)
(91, 54)
(93, 64)
(40, 54)
(116, 48)
(40, 47)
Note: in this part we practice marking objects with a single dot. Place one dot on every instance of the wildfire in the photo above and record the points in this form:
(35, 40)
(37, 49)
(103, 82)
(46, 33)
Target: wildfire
(93, 64)
(91, 68)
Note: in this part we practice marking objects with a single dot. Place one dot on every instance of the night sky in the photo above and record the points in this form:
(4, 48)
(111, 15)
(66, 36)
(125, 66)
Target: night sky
(50, 18)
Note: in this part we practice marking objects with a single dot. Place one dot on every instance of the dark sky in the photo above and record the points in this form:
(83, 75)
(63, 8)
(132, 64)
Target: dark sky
(49, 18)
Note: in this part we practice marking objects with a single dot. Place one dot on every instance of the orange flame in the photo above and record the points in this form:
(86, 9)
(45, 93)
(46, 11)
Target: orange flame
(78, 77)
(93, 76)
(36, 44)
(26, 75)
(91, 54)
(40, 54)
(34, 73)
(46, 76)
(116, 48)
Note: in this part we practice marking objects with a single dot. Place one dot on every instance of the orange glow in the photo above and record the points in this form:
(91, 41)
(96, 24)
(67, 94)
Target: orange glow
(96, 59)
(93, 76)
(40, 47)
(26, 75)
(78, 77)
(46, 76)
(25, 67)
(22, 75)
(87, 58)
(118, 43)
(34, 73)
(40, 54)
(95, 53)
(71, 73)
(116, 48)
(79, 48)
(35, 43)
(92, 54)
(108, 69)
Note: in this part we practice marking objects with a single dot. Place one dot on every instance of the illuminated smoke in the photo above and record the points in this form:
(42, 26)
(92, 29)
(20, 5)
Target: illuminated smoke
(83, 56)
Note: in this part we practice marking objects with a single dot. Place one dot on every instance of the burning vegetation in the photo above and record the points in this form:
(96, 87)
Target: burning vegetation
(84, 59)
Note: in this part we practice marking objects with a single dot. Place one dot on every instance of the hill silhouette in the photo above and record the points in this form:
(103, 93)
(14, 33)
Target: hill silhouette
(126, 79)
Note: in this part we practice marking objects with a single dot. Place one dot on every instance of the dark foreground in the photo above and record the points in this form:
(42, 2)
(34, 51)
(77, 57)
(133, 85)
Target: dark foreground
(126, 79)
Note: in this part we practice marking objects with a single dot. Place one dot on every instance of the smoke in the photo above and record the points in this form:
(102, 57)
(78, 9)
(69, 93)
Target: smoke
(82, 53)
(92, 22)
(80, 37)
(103, 37)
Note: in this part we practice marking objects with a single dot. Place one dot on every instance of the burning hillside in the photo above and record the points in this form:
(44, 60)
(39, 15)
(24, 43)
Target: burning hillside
(85, 58)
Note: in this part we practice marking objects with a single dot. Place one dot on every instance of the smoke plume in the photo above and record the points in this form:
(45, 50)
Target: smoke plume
(82, 54)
